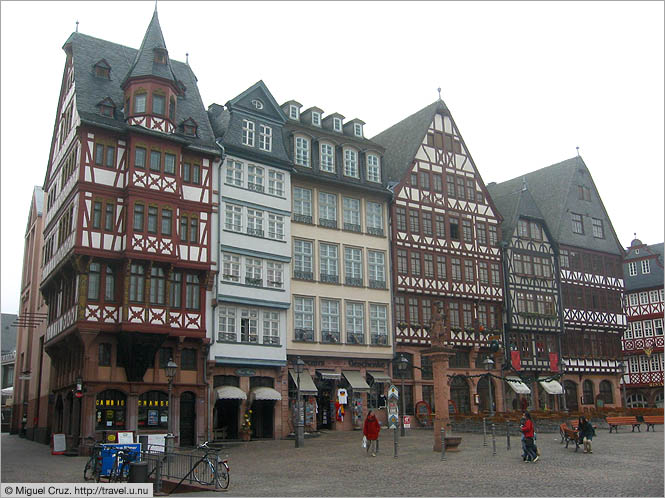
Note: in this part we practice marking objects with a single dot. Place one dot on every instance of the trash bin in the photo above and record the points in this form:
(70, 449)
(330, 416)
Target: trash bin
(138, 472)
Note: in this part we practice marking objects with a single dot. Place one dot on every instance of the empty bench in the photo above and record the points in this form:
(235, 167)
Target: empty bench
(652, 420)
(615, 422)
(568, 435)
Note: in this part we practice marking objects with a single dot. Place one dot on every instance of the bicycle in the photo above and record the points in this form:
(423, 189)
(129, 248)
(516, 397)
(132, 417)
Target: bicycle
(120, 469)
(207, 471)
(93, 467)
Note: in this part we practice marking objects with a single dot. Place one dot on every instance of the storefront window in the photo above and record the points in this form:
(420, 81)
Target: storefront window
(110, 410)
(153, 410)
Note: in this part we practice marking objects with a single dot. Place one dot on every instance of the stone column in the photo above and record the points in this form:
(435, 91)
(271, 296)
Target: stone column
(440, 363)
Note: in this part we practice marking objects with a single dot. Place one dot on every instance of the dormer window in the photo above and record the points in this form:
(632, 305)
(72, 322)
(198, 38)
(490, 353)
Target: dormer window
(158, 104)
(160, 56)
(257, 104)
(337, 124)
(106, 107)
(102, 69)
(316, 118)
(189, 127)
(293, 112)
(358, 129)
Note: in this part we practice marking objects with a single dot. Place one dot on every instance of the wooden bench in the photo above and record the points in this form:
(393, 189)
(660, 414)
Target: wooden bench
(568, 435)
(615, 422)
(651, 420)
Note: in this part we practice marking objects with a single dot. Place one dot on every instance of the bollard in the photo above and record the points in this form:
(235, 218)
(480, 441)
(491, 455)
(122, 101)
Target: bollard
(493, 441)
(395, 449)
(443, 443)
(158, 476)
(507, 436)
(484, 433)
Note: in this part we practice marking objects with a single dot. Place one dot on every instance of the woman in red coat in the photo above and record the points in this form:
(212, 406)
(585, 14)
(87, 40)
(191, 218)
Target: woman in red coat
(371, 431)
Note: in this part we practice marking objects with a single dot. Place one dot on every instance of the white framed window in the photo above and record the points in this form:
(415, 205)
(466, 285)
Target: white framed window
(655, 362)
(578, 226)
(648, 330)
(633, 299)
(337, 124)
(661, 293)
(597, 227)
(302, 151)
(358, 129)
(644, 298)
(254, 271)
(265, 138)
(303, 318)
(378, 320)
(350, 163)
(329, 320)
(275, 275)
(302, 201)
(248, 132)
(351, 213)
(637, 329)
(374, 218)
(316, 118)
(328, 208)
(227, 324)
(302, 252)
(255, 179)
(249, 325)
(632, 269)
(658, 326)
(230, 267)
(234, 173)
(644, 363)
(645, 267)
(376, 268)
(327, 158)
(633, 366)
(270, 327)
(276, 183)
(373, 168)
(294, 112)
(355, 323)
(275, 226)
(653, 296)
(329, 263)
(353, 266)
(254, 222)
(628, 333)
(233, 218)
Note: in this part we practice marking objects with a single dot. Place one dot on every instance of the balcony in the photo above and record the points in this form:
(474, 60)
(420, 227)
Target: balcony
(355, 282)
(379, 340)
(329, 278)
(226, 337)
(303, 218)
(303, 275)
(305, 335)
(352, 227)
(377, 284)
(330, 336)
(355, 338)
(256, 282)
(327, 223)
(255, 187)
(249, 338)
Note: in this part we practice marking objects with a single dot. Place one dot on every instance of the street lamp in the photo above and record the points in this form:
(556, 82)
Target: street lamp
(402, 363)
(563, 387)
(170, 370)
(300, 429)
(622, 367)
(489, 363)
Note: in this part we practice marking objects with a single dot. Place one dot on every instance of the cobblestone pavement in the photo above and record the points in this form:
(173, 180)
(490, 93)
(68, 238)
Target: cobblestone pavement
(334, 464)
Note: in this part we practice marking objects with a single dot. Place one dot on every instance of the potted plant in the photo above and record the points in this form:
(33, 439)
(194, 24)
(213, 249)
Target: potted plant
(246, 426)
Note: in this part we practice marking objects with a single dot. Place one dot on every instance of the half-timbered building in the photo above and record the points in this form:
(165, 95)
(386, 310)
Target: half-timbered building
(339, 317)
(591, 279)
(253, 255)
(127, 240)
(533, 315)
(444, 248)
(642, 342)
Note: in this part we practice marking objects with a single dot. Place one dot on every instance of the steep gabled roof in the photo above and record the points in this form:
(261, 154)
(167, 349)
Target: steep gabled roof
(402, 140)
(514, 205)
(656, 272)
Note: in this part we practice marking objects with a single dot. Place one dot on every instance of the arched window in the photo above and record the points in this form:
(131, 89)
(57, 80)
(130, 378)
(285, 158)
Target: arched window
(153, 410)
(571, 394)
(605, 392)
(636, 401)
(459, 394)
(587, 392)
(110, 410)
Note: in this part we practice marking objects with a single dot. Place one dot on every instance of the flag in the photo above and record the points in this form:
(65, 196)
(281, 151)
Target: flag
(515, 359)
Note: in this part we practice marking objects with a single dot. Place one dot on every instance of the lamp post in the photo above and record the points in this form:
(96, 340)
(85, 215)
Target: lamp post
(402, 363)
(300, 429)
(563, 386)
(622, 367)
(170, 370)
(489, 363)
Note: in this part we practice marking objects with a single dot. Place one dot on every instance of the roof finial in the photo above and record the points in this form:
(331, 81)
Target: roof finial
(77, 26)
(187, 58)
(155, 5)
(578, 151)
(439, 90)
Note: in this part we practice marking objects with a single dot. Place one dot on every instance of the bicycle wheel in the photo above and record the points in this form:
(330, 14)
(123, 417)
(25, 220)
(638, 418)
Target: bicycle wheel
(88, 469)
(222, 475)
(203, 472)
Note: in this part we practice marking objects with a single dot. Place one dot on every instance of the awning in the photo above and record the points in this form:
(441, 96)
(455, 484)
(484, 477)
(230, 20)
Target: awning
(552, 386)
(8, 391)
(329, 375)
(267, 393)
(356, 380)
(230, 392)
(517, 385)
(380, 377)
(307, 386)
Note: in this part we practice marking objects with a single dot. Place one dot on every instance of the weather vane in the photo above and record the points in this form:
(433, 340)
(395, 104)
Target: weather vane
(439, 90)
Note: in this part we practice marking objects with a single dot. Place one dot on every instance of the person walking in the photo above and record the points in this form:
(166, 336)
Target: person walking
(586, 434)
(371, 430)
(523, 438)
(528, 431)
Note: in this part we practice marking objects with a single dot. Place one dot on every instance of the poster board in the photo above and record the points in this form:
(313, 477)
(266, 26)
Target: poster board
(59, 443)
(125, 437)
(109, 451)
(156, 443)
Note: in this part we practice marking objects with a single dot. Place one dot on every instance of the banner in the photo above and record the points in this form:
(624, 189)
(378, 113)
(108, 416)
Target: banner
(515, 360)
(554, 362)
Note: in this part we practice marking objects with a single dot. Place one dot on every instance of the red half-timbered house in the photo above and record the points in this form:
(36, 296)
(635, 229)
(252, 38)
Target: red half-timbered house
(444, 248)
(127, 240)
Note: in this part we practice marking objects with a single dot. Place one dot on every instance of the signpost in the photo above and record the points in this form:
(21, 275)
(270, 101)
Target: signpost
(393, 413)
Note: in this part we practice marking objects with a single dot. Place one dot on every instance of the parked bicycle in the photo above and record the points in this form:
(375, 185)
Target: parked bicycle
(93, 467)
(120, 469)
(211, 468)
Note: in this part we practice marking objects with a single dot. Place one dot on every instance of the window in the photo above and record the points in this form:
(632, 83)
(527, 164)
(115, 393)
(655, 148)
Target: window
(248, 132)
(275, 227)
(227, 324)
(253, 272)
(493, 235)
(302, 204)
(460, 188)
(230, 267)
(453, 314)
(139, 157)
(414, 221)
(400, 215)
(355, 323)
(424, 180)
(470, 189)
(254, 222)
(275, 275)
(188, 128)
(265, 138)
(633, 299)
(373, 168)
(358, 129)
(328, 259)
(440, 226)
(155, 160)
(467, 232)
(276, 183)
(450, 183)
(632, 268)
(483, 274)
(454, 228)
(329, 320)
(302, 151)
(438, 182)
(94, 281)
(96, 214)
(402, 262)
(351, 163)
(327, 210)
(415, 264)
(523, 228)
(167, 216)
(645, 266)
(188, 359)
(233, 218)
(255, 179)
(304, 319)
(139, 103)
(302, 250)
(175, 294)
(194, 230)
(658, 326)
(139, 210)
(374, 218)
(598, 231)
(158, 104)
(441, 267)
(376, 262)
(429, 265)
(584, 193)
(110, 406)
(316, 118)
(104, 359)
(327, 162)
(353, 271)
(157, 286)
(152, 219)
(337, 124)
(427, 223)
(648, 330)
(577, 223)
(456, 268)
(136, 283)
(192, 292)
(153, 410)
(400, 309)
(109, 285)
(109, 157)
(468, 271)
(293, 112)
(536, 231)
(270, 327)
(169, 164)
(234, 173)
(351, 213)
(378, 328)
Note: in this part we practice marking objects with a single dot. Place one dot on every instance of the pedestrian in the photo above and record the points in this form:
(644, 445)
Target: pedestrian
(528, 431)
(524, 453)
(586, 434)
(371, 430)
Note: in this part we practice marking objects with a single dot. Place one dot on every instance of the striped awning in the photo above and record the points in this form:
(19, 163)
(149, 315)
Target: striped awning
(552, 386)
(266, 394)
(356, 380)
(307, 386)
(329, 375)
(230, 392)
(517, 385)
(380, 376)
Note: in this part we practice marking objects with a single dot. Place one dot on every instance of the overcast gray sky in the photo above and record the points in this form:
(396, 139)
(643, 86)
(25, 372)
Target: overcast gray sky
(526, 82)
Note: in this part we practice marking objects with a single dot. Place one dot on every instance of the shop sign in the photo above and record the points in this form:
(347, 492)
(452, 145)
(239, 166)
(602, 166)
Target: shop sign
(367, 363)
(245, 372)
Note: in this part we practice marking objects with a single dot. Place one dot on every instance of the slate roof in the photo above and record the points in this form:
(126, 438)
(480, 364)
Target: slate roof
(513, 205)
(656, 274)
(90, 89)
(554, 189)
(402, 140)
